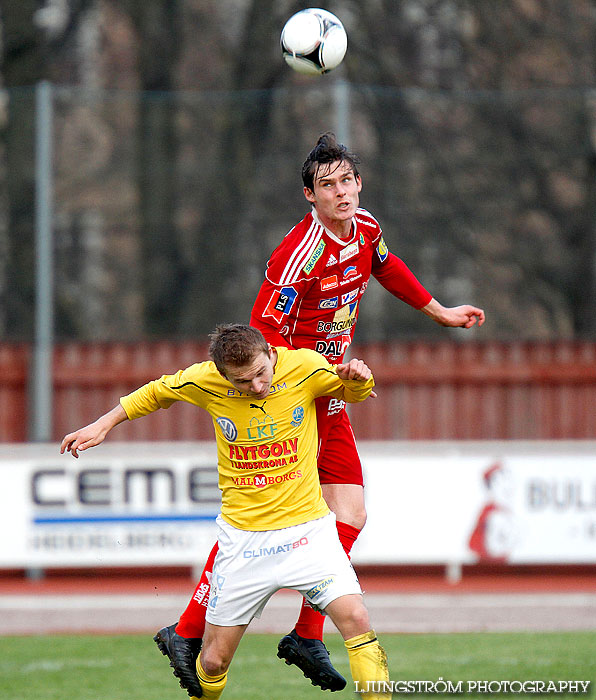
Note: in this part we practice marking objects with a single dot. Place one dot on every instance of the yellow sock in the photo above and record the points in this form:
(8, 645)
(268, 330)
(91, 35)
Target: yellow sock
(368, 665)
(212, 686)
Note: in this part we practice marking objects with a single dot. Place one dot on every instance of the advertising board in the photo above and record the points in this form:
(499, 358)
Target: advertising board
(428, 503)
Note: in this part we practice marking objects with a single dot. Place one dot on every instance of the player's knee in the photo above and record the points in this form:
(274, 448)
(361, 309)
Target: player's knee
(356, 518)
(359, 618)
(214, 662)
(355, 621)
(360, 518)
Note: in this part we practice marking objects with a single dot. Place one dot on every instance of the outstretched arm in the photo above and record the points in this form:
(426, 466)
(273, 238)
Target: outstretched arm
(398, 279)
(454, 317)
(94, 433)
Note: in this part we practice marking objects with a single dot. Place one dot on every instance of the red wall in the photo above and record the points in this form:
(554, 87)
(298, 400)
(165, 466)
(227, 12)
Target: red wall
(426, 391)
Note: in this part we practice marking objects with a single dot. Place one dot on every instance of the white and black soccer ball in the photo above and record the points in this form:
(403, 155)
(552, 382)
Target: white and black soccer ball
(314, 41)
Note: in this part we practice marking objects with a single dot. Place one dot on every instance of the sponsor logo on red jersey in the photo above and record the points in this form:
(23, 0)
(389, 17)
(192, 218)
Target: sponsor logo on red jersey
(348, 252)
(335, 406)
(351, 272)
(343, 320)
(331, 303)
(333, 350)
(329, 283)
(349, 296)
(382, 250)
(318, 251)
(281, 302)
(202, 594)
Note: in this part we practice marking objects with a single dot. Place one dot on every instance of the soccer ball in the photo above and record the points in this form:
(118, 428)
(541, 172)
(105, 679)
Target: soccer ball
(313, 41)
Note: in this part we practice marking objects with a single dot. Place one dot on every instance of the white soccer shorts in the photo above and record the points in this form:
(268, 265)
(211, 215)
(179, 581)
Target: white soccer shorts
(251, 566)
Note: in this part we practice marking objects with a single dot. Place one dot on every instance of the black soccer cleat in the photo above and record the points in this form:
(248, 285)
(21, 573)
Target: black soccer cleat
(312, 658)
(183, 655)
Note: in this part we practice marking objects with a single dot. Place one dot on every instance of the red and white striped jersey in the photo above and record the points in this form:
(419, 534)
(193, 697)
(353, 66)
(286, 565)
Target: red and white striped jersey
(314, 282)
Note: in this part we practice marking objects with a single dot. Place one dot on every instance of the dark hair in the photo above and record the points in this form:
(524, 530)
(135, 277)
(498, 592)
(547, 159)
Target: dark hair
(236, 345)
(327, 151)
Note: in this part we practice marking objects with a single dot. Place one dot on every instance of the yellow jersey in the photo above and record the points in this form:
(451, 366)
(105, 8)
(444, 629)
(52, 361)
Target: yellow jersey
(266, 449)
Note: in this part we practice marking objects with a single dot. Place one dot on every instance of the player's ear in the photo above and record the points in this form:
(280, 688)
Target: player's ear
(309, 194)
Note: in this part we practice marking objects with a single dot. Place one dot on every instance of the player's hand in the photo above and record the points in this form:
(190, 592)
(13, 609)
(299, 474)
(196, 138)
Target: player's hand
(94, 433)
(83, 438)
(464, 316)
(355, 369)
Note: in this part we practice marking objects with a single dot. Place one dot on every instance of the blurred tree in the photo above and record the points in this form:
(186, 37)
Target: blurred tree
(158, 25)
(474, 119)
(22, 66)
(238, 137)
(504, 152)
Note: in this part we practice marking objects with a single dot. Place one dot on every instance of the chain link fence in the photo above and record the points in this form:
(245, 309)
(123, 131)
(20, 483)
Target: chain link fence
(166, 206)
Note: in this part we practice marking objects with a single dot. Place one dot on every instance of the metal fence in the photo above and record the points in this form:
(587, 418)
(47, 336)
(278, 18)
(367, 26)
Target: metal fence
(427, 391)
(480, 391)
(164, 207)
(136, 216)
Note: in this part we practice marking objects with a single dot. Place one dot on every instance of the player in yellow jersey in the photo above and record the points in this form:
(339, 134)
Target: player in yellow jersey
(275, 529)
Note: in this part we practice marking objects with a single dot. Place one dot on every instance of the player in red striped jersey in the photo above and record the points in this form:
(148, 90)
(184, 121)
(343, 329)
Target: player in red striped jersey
(310, 298)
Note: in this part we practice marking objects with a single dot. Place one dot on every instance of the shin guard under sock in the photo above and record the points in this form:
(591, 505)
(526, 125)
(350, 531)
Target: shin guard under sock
(368, 665)
(212, 686)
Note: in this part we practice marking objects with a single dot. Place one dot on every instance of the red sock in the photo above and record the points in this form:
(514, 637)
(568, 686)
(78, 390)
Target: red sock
(347, 536)
(310, 622)
(192, 620)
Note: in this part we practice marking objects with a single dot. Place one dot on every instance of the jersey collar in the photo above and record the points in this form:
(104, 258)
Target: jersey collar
(340, 241)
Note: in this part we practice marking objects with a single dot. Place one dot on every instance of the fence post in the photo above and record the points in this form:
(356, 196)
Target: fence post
(41, 380)
(341, 100)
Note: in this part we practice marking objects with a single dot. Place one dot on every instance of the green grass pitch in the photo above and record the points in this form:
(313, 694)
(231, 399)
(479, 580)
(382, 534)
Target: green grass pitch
(131, 667)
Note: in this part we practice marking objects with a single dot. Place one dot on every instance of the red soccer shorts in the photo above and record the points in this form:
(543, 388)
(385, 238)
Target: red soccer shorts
(338, 460)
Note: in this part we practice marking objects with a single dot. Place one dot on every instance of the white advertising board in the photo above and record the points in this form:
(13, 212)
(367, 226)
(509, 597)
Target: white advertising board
(121, 504)
(515, 502)
(428, 503)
